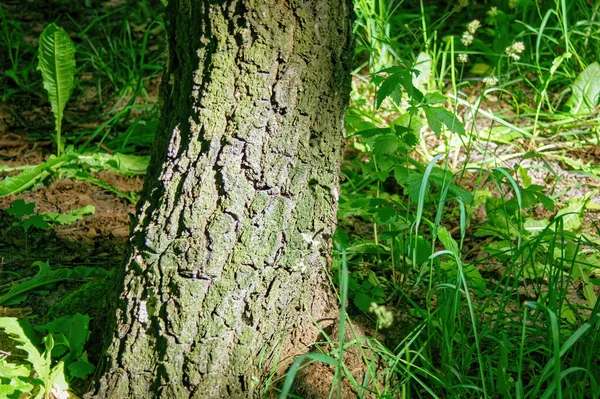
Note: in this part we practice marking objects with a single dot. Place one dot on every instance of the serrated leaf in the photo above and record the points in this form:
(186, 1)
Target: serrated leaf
(436, 116)
(586, 89)
(56, 58)
(390, 86)
(385, 215)
(410, 139)
(386, 144)
(435, 98)
(387, 87)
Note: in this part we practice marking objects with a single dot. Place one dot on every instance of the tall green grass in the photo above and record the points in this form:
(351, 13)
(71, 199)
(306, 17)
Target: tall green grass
(501, 308)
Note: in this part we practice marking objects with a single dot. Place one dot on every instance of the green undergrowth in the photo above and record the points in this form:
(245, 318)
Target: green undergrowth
(100, 67)
(462, 240)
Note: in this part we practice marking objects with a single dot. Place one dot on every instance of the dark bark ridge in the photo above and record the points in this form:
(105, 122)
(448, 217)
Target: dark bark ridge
(240, 199)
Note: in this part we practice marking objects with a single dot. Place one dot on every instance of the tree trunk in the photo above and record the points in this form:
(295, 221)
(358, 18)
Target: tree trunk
(229, 253)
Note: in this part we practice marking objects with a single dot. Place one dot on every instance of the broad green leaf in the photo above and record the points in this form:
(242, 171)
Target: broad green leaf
(572, 213)
(586, 89)
(436, 116)
(26, 179)
(362, 301)
(127, 164)
(75, 328)
(446, 239)
(80, 369)
(398, 76)
(385, 215)
(388, 86)
(57, 63)
(435, 98)
(386, 144)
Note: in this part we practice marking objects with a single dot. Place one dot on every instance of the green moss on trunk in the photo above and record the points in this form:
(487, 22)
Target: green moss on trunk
(239, 206)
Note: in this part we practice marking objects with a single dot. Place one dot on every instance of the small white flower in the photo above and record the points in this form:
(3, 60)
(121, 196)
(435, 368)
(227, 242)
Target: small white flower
(462, 58)
(514, 50)
(473, 26)
(466, 39)
(490, 81)
(518, 47)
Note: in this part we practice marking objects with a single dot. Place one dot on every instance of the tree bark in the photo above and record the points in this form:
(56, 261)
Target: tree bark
(229, 252)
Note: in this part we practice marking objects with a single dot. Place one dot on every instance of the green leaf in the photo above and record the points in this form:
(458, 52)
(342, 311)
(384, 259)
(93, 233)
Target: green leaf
(57, 63)
(18, 208)
(435, 98)
(80, 369)
(46, 276)
(29, 177)
(436, 116)
(129, 165)
(572, 213)
(385, 215)
(363, 301)
(386, 144)
(36, 221)
(125, 164)
(75, 328)
(70, 217)
(449, 243)
(586, 89)
(18, 379)
(390, 87)
(22, 332)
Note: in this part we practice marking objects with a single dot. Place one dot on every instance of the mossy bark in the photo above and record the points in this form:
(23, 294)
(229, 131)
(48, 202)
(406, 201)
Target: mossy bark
(235, 223)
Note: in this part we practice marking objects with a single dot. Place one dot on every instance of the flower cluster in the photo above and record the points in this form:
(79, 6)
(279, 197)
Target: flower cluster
(467, 38)
(514, 50)
(385, 318)
(490, 81)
